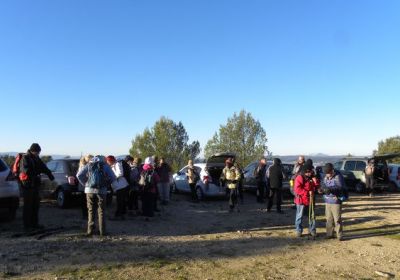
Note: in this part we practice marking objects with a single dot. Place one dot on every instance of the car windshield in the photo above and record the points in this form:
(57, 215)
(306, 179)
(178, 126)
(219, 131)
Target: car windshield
(73, 166)
(3, 166)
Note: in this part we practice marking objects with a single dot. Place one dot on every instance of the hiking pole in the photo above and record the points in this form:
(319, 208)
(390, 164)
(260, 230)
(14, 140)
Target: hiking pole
(311, 214)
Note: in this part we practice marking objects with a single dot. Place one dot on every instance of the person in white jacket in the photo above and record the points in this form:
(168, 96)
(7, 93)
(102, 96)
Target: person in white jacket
(120, 187)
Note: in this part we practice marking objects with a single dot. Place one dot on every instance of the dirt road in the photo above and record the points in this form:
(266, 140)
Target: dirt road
(203, 241)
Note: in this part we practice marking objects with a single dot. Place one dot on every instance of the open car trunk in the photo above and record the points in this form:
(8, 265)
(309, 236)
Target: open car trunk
(381, 174)
(215, 164)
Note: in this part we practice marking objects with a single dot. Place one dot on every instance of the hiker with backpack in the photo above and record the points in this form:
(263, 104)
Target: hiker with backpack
(369, 177)
(230, 177)
(164, 172)
(305, 186)
(120, 186)
(275, 177)
(193, 177)
(260, 175)
(148, 187)
(96, 176)
(82, 163)
(28, 168)
(335, 193)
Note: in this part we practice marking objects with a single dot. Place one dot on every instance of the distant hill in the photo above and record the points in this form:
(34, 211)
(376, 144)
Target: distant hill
(53, 156)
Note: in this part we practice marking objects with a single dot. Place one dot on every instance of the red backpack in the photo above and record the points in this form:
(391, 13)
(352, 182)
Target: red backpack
(16, 167)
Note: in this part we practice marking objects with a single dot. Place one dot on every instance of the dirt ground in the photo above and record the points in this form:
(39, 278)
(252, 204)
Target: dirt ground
(203, 241)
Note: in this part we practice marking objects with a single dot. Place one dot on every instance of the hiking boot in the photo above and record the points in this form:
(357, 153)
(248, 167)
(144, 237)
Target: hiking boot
(340, 238)
(313, 236)
(329, 237)
(298, 234)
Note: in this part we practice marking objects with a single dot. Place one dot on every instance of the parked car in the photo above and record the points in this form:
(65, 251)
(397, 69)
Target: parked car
(65, 187)
(210, 172)
(250, 183)
(353, 171)
(394, 177)
(9, 191)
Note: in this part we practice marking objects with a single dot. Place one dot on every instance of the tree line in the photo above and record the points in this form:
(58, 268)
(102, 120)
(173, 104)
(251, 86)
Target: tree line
(242, 134)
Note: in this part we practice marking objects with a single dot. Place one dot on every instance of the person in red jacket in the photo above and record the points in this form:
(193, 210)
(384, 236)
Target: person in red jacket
(305, 186)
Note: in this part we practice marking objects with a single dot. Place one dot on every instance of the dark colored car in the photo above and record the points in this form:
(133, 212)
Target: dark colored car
(65, 187)
(250, 183)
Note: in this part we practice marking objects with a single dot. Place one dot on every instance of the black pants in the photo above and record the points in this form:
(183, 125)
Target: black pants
(133, 199)
(275, 193)
(84, 206)
(369, 183)
(148, 203)
(193, 191)
(240, 190)
(260, 191)
(31, 206)
(121, 202)
(233, 195)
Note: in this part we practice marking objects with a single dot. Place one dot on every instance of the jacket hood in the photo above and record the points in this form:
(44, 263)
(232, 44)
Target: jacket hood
(147, 167)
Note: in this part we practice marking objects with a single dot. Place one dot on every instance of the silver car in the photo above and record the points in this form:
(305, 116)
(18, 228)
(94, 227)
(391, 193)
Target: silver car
(210, 173)
(9, 191)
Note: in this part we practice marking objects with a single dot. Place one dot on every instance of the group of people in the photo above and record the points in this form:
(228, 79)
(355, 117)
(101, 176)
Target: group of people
(306, 182)
(134, 183)
(130, 181)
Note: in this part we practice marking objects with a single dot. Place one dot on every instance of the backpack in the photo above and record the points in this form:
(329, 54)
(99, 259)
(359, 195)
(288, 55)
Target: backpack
(135, 175)
(15, 169)
(147, 180)
(97, 178)
(126, 170)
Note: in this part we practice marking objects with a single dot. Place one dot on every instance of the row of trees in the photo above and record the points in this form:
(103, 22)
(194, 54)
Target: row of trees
(242, 135)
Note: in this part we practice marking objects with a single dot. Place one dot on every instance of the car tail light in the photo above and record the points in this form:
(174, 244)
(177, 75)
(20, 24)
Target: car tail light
(10, 177)
(206, 179)
(72, 180)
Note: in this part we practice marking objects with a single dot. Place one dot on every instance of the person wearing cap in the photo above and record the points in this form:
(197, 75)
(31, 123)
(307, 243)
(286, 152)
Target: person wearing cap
(230, 176)
(148, 184)
(333, 189)
(96, 195)
(120, 186)
(305, 186)
(192, 176)
(31, 167)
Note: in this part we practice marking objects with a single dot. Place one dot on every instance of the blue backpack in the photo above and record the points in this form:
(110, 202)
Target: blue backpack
(96, 175)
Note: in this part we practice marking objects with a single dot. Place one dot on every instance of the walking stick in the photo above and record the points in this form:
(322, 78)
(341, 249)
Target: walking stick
(311, 214)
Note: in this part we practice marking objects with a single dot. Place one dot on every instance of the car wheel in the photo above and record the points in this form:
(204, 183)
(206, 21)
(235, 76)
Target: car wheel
(360, 187)
(12, 213)
(392, 187)
(200, 194)
(174, 189)
(62, 198)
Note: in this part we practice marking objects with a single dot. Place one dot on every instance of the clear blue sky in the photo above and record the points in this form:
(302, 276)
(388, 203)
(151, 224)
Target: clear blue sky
(87, 76)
